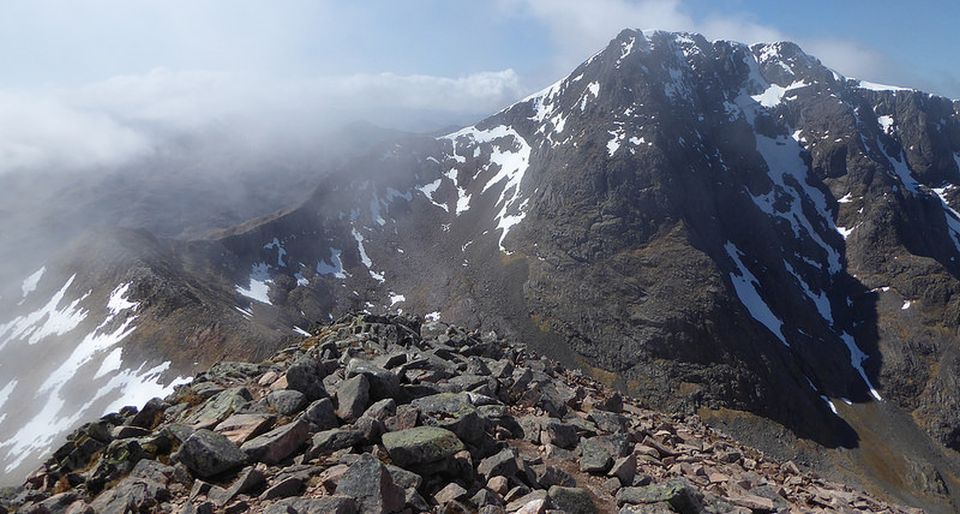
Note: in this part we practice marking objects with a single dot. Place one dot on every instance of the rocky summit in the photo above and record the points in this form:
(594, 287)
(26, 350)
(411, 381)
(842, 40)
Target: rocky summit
(388, 414)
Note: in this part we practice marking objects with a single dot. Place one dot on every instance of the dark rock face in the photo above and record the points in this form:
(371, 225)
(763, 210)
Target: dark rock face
(654, 461)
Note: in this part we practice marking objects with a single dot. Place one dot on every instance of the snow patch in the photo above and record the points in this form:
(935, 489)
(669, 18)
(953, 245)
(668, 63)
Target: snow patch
(747, 286)
(100, 339)
(463, 198)
(857, 358)
(302, 281)
(48, 320)
(886, 123)
(111, 362)
(335, 267)
(773, 95)
(428, 191)
(625, 49)
(511, 154)
(57, 416)
(281, 251)
(259, 284)
(592, 89)
(614, 144)
(6, 391)
(829, 402)
(951, 216)
(902, 171)
(30, 283)
(782, 156)
(820, 300)
(873, 86)
(845, 232)
(364, 258)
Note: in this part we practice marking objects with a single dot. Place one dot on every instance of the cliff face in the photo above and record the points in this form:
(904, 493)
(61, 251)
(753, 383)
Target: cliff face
(386, 414)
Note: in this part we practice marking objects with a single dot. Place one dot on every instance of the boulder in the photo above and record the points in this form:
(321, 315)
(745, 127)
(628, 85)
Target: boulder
(678, 493)
(608, 421)
(329, 441)
(277, 444)
(208, 453)
(421, 445)
(625, 469)
(519, 503)
(219, 407)
(571, 500)
(383, 383)
(150, 414)
(454, 412)
(287, 402)
(240, 428)
(306, 375)
(321, 414)
(141, 491)
(485, 497)
(403, 478)
(353, 395)
(503, 463)
(284, 488)
(548, 476)
(560, 434)
(250, 479)
(370, 483)
(381, 410)
(594, 456)
(450, 493)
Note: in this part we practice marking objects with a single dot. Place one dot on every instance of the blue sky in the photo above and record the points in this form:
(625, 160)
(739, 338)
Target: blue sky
(76, 70)
(45, 42)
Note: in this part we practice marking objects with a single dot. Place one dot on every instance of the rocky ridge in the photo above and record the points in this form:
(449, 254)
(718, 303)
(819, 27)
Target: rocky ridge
(390, 414)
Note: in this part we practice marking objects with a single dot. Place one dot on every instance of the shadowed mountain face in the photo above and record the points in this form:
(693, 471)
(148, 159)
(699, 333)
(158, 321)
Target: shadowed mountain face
(710, 226)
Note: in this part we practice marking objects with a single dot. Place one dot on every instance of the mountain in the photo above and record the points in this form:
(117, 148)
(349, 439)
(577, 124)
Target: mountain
(388, 414)
(715, 228)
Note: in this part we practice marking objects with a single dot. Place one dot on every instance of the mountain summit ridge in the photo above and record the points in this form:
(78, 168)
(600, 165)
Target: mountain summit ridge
(391, 414)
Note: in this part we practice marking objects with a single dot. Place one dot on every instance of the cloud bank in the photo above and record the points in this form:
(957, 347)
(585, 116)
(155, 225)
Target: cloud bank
(109, 123)
(120, 77)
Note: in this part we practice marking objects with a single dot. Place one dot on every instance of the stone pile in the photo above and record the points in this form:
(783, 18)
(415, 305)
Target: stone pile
(379, 414)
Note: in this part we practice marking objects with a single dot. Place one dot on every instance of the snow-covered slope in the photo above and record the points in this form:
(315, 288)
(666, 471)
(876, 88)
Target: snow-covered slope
(62, 362)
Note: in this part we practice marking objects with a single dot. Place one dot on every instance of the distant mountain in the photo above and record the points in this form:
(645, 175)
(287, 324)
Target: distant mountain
(713, 227)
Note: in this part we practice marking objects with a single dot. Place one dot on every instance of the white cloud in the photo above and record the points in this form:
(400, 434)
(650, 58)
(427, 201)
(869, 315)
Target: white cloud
(851, 58)
(581, 28)
(110, 122)
(38, 132)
